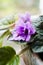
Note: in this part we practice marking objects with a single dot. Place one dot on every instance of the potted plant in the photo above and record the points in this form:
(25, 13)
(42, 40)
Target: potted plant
(21, 31)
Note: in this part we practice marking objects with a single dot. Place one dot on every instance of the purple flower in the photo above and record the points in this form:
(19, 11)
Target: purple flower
(23, 29)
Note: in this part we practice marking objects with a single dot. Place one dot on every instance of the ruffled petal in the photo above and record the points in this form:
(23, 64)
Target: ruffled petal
(28, 25)
(25, 17)
(32, 30)
(28, 38)
(19, 38)
(20, 22)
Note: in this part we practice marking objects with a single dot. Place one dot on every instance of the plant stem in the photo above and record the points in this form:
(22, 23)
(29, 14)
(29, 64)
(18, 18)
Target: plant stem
(23, 50)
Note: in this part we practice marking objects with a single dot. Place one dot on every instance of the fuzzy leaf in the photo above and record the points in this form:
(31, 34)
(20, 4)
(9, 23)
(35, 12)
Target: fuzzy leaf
(5, 34)
(37, 45)
(6, 22)
(8, 56)
(14, 61)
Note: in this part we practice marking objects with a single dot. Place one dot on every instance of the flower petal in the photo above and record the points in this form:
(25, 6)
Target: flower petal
(25, 17)
(19, 38)
(28, 25)
(32, 30)
(20, 22)
(28, 38)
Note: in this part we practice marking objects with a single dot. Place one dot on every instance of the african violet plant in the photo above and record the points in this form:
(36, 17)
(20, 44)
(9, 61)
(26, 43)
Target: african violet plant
(23, 31)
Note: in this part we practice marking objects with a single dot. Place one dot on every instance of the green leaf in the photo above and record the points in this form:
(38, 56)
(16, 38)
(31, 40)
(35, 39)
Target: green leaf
(6, 54)
(40, 26)
(37, 45)
(14, 61)
(5, 34)
(6, 22)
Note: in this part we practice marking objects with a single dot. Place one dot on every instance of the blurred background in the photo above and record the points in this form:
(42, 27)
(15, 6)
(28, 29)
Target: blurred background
(9, 7)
